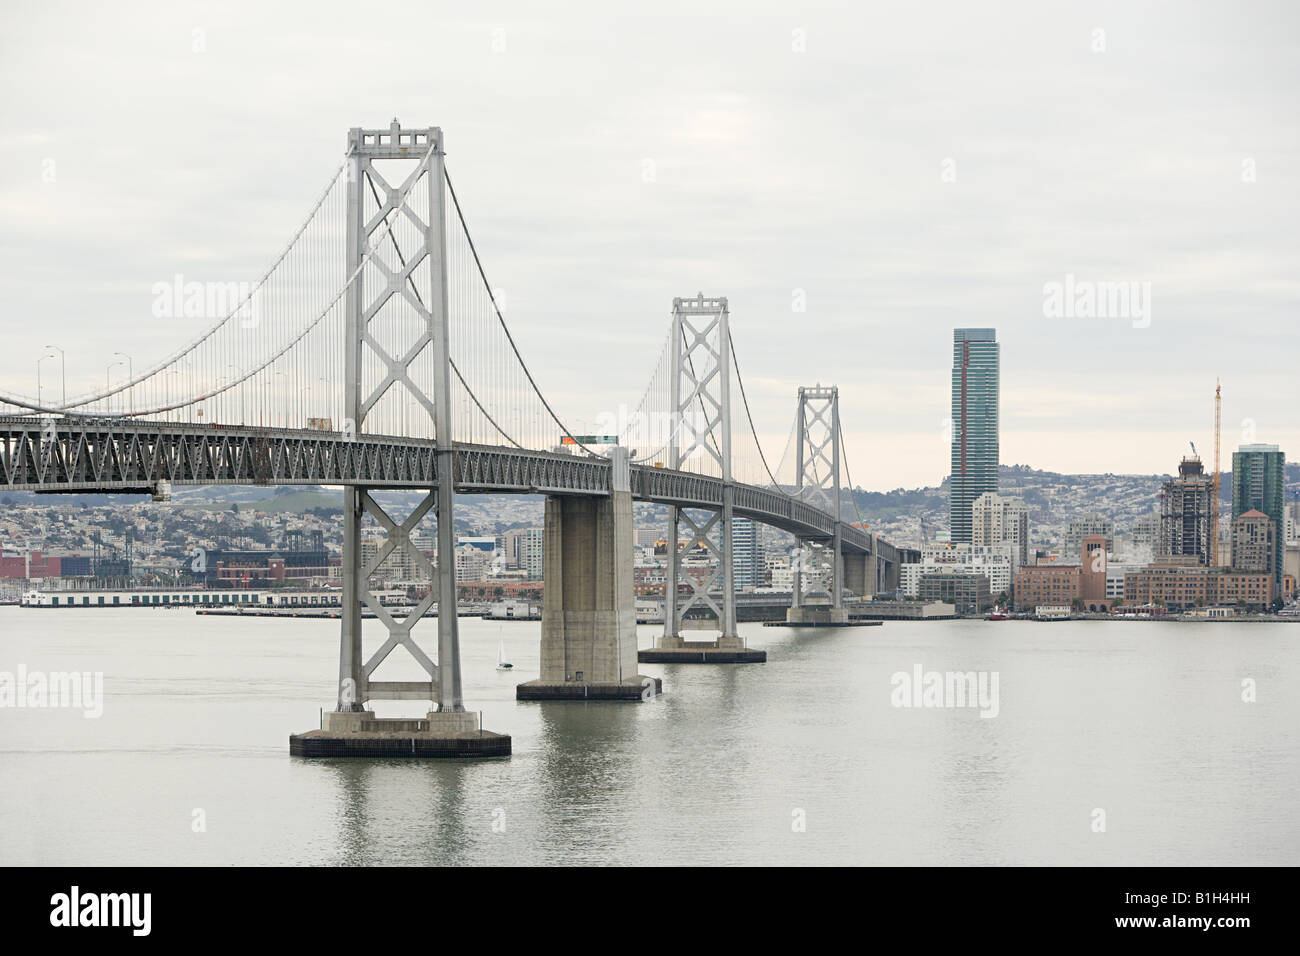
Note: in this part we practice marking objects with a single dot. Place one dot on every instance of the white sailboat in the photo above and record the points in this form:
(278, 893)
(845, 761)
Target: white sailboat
(502, 663)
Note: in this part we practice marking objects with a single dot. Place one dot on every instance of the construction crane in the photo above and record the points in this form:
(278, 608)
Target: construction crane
(1214, 486)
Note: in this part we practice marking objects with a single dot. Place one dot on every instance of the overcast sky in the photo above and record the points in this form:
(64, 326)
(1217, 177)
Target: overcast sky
(906, 168)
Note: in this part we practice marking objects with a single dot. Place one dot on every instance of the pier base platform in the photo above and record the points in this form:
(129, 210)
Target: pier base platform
(676, 650)
(361, 734)
(639, 687)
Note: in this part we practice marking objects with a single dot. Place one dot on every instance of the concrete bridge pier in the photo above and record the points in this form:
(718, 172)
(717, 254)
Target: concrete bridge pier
(888, 574)
(860, 574)
(588, 607)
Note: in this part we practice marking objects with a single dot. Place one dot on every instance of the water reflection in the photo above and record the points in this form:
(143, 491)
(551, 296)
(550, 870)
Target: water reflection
(399, 811)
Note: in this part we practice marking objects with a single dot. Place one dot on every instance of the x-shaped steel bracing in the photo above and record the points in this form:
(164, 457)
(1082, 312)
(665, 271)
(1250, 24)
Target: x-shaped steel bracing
(399, 630)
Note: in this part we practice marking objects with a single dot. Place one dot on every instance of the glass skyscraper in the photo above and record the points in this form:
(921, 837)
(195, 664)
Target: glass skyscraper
(975, 366)
(1257, 475)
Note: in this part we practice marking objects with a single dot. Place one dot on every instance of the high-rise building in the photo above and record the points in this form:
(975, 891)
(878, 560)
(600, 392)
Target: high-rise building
(510, 546)
(1292, 528)
(1254, 542)
(975, 365)
(1257, 475)
(1185, 504)
(999, 520)
(1080, 528)
(1145, 532)
(530, 553)
(747, 566)
(397, 566)
(472, 563)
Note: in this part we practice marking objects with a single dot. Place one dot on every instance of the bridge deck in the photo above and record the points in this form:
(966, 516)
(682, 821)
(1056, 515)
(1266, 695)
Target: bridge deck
(102, 455)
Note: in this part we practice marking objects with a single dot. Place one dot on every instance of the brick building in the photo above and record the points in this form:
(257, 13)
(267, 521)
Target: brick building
(1180, 587)
(1049, 584)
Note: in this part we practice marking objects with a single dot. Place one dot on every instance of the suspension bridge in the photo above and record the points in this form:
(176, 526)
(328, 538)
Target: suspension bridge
(373, 354)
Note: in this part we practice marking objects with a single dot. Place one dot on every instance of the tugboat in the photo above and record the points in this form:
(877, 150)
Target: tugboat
(997, 614)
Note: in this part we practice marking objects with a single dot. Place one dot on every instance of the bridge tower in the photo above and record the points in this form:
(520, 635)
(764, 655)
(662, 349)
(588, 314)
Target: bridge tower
(700, 406)
(817, 482)
(396, 315)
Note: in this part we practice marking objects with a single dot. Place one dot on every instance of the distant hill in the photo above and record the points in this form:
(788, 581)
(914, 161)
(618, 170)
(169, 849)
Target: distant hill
(906, 516)
(1053, 499)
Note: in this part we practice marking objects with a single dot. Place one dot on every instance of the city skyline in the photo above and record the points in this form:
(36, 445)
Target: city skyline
(661, 187)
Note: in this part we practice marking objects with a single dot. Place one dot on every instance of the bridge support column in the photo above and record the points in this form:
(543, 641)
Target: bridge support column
(796, 573)
(837, 571)
(888, 574)
(728, 638)
(860, 574)
(588, 606)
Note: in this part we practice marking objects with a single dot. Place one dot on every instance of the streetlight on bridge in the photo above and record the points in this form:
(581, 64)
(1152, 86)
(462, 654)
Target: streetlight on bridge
(130, 377)
(63, 369)
(40, 401)
(108, 375)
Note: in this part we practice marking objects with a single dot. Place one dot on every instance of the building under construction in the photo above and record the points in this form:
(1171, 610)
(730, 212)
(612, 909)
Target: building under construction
(1186, 523)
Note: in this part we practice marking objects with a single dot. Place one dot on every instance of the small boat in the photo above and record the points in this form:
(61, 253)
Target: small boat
(997, 614)
(502, 663)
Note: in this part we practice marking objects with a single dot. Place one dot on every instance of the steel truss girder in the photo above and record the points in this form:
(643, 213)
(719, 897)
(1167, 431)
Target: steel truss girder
(75, 456)
(106, 455)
